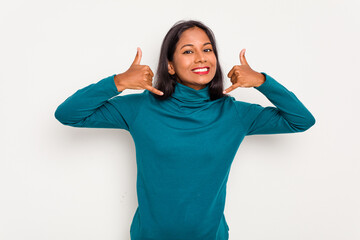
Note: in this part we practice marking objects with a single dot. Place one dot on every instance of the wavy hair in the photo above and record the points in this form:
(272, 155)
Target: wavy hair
(166, 82)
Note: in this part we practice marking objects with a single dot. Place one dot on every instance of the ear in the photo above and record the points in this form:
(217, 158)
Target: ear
(171, 69)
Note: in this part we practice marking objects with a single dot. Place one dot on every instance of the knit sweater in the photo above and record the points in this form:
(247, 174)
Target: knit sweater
(185, 146)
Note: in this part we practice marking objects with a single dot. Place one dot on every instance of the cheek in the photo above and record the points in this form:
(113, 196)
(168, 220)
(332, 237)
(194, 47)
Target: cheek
(214, 62)
(180, 63)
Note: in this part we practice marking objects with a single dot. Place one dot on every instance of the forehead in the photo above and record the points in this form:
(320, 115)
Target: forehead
(193, 36)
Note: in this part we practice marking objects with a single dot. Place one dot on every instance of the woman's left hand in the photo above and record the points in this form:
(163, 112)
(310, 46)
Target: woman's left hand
(243, 76)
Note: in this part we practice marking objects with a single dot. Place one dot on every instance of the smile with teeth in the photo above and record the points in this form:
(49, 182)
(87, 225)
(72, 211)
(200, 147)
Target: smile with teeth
(201, 70)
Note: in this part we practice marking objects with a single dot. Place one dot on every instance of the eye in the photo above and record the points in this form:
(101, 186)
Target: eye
(186, 51)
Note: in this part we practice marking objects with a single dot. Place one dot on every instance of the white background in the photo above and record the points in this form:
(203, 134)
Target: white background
(59, 182)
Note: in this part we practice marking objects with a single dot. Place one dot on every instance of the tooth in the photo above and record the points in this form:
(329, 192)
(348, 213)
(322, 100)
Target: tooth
(200, 70)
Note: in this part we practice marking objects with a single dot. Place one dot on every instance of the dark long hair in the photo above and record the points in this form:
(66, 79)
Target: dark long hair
(166, 82)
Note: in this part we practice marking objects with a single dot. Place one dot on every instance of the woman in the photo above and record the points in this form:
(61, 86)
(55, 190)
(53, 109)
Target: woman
(186, 130)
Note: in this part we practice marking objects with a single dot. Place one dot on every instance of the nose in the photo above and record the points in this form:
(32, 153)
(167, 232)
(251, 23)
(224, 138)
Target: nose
(200, 56)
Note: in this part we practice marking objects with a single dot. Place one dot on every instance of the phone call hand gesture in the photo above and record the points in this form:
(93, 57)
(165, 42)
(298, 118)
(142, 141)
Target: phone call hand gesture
(243, 76)
(136, 77)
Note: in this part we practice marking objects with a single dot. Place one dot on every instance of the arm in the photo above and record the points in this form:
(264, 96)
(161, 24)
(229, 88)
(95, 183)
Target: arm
(95, 106)
(289, 115)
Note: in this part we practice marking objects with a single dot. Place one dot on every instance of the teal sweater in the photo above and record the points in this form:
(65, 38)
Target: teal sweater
(185, 146)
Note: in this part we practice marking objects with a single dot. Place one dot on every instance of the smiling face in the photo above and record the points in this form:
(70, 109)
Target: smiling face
(193, 50)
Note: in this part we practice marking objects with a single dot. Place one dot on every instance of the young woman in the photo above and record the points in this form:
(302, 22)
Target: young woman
(186, 130)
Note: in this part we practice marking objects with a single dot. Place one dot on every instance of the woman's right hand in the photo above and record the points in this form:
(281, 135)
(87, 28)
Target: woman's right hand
(136, 77)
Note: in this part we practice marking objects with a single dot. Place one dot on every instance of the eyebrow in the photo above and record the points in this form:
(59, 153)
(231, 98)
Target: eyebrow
(193, 45)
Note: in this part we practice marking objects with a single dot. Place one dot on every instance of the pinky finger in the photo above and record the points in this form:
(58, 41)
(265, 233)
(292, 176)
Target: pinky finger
(154, 90)
(228, 90)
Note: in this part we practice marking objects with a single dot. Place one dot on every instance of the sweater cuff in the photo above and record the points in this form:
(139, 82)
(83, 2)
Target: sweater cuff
(108, 85)
(267, 84)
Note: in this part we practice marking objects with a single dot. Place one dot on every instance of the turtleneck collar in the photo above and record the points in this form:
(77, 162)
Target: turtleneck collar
(187, 94)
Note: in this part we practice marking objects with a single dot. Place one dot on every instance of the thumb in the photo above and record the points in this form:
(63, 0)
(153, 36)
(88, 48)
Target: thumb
(137, 57)
(242, 57)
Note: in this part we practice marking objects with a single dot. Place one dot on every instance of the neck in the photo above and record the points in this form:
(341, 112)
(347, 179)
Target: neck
(189, 95)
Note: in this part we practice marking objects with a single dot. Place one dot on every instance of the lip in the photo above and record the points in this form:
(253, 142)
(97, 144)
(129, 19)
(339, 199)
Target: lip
(202, 73)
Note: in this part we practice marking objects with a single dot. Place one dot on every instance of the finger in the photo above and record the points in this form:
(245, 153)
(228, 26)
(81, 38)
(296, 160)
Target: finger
(229, 89)
(242, 57)
(154, 90)
(233, 78)
(137, 57)
(231, 72)
(151, 72)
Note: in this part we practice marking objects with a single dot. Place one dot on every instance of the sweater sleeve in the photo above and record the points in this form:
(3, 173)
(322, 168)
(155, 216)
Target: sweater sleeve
(289, 115)
(96, 106)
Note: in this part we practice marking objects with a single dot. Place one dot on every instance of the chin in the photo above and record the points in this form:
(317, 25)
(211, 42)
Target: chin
(204, 82)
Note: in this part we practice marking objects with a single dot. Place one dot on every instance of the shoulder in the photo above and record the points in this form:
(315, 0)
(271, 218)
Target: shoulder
(237, 103)
(245, 108)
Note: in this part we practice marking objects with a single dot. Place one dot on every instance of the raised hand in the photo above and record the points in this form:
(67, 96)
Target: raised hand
(136, 77)
(243, 76)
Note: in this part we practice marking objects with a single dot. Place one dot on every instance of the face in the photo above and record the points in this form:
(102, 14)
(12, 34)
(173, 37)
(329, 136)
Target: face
(193, 50)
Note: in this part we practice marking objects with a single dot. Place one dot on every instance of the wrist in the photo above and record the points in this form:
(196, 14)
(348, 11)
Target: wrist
(118, 82)
(262, 79)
